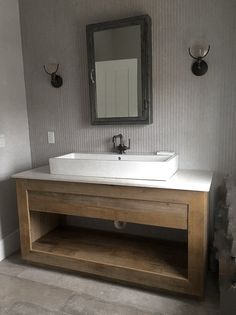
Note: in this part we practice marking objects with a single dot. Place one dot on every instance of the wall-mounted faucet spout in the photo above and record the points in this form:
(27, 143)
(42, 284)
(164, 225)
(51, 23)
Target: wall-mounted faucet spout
(121, 148)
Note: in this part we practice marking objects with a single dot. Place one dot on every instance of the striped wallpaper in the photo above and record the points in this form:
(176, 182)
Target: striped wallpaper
(194, 116)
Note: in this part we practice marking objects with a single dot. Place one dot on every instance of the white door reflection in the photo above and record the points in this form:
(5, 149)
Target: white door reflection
(117, 88)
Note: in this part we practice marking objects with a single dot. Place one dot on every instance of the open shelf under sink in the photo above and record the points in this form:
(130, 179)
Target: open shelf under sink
(121, 251)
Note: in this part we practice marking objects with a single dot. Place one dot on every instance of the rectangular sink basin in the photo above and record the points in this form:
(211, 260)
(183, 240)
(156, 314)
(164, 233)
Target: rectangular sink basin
(160, 166)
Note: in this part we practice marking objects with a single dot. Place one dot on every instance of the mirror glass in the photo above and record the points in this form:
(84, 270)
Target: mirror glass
(119, 62)
(118, 72)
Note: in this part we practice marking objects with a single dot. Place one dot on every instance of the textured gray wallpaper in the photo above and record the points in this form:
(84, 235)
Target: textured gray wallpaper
(194, 116)
(15, 156)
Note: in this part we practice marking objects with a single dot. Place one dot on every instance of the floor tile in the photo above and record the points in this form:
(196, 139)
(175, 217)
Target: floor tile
(87, 305)
(122, 295)
(27, 288)
(23, 308)
(19, 290)
(12, 266)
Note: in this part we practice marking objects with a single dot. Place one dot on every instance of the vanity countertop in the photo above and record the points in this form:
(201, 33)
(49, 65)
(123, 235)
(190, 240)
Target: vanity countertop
(192, 180)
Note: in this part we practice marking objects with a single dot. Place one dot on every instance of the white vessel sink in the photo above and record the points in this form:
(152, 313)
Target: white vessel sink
(150, 167)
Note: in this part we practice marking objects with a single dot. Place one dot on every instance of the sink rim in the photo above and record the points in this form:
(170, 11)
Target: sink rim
(159, 157)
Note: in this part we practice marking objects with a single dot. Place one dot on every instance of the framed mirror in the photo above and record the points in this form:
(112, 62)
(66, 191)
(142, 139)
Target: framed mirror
(120, 71)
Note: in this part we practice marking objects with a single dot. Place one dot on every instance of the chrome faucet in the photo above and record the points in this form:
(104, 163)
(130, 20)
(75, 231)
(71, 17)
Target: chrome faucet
(121, 148)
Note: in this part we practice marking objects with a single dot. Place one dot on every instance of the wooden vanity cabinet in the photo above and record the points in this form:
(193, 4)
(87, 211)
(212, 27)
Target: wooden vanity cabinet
(173, 266)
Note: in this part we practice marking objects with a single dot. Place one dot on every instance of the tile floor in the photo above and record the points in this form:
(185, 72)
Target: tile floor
(30, 290)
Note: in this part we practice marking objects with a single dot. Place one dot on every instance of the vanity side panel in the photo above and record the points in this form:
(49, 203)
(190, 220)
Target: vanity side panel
(198, 242)
(42, 223)
(24, 219)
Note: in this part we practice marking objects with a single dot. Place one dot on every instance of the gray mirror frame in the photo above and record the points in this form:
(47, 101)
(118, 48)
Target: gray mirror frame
(146, 63)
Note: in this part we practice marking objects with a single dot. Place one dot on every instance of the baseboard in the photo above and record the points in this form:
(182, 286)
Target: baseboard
(9, 244)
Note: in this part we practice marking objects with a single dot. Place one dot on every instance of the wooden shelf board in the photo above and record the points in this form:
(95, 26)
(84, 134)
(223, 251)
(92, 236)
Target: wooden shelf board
(118, 250)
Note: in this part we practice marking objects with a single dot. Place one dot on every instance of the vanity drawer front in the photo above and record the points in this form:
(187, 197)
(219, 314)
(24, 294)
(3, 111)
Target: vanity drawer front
(171, 215)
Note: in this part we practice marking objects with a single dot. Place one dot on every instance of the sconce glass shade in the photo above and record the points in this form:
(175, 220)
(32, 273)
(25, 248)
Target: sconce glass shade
(51, 67)
(199, 50)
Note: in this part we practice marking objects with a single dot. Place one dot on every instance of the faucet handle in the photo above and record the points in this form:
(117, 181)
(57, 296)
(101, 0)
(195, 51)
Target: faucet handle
(114, 142)
(125, 147)
(128, 145)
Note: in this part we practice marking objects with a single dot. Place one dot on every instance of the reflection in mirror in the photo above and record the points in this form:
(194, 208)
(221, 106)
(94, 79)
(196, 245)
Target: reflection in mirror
(118, 72)
(119, 62)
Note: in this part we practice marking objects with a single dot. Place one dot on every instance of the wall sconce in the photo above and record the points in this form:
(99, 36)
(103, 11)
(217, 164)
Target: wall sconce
(56, 80)
(199, 67)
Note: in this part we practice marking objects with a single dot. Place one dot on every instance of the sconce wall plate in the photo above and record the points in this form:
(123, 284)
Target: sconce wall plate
(56, 80)
(199, 67)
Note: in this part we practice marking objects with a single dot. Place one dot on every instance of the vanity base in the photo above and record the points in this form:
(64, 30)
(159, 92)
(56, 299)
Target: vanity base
(142, 261)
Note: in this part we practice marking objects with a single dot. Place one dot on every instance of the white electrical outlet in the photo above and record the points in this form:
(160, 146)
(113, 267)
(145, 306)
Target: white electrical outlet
(2, 141)
(51, 137)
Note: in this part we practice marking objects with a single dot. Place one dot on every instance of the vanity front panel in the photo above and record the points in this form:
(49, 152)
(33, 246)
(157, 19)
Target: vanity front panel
(170, 215)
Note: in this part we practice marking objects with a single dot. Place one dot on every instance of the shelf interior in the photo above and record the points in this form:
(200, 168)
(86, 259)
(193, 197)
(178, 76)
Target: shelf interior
(109, 248)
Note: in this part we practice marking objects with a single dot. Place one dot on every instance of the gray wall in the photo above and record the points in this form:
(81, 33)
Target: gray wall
(118, 43)
(15, 156)
(194, 116)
